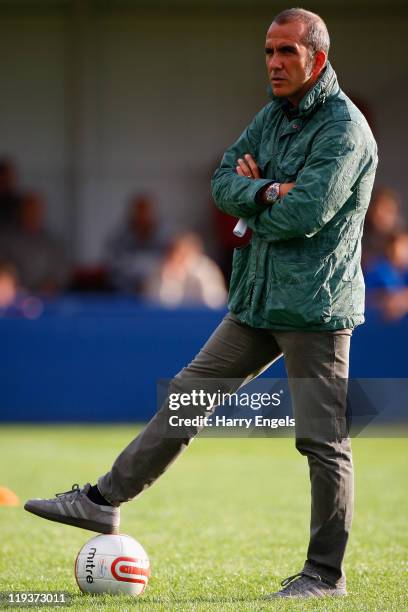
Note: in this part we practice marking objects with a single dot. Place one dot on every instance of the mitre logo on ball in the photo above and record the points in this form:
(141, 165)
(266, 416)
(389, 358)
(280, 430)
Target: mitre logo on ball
(112, 564)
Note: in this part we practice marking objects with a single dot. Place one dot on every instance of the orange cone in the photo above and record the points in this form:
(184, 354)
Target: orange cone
(8, 498)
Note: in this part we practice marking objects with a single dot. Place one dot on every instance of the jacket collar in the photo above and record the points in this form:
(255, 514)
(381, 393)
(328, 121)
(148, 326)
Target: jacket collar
(325, 87)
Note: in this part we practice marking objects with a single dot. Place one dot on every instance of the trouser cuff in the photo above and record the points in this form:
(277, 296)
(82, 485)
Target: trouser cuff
(102, 491)
(331, 577)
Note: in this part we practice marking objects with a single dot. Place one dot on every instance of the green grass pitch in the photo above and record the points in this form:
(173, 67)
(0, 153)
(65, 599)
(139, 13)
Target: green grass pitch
(226, 523)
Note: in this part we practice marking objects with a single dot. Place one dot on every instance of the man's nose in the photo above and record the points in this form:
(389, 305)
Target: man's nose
(274, 62)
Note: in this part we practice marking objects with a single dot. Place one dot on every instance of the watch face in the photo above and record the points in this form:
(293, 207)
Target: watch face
(272, 193)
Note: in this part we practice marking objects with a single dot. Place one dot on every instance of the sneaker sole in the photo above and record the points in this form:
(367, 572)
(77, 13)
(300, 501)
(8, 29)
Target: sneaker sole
(74, 522)
(276, 596)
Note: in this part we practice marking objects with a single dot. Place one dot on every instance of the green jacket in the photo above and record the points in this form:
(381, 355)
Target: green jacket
(302, 269)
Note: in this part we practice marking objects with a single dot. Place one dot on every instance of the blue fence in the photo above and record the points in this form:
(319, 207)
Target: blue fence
(99, 359)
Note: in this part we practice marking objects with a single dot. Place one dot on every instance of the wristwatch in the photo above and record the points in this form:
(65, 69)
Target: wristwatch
(271, 193)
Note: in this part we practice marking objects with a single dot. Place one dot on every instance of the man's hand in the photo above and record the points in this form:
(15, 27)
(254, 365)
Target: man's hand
(394, 305)
(284, 188)
(247, 166)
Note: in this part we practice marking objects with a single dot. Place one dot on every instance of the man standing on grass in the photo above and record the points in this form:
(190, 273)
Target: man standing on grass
(301, 176)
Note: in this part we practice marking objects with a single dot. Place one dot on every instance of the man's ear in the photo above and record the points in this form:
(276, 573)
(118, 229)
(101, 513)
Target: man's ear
(320, 60)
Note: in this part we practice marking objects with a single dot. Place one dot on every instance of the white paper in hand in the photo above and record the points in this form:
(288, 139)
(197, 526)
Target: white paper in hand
(240, 228)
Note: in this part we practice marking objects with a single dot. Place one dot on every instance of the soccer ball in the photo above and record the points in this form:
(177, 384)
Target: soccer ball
(112, 564)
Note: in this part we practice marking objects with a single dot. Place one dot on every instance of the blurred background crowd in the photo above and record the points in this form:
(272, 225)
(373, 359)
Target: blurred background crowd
(145, 257)
(142, 257)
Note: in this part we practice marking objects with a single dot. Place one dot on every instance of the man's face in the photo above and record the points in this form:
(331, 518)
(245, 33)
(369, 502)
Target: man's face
(288, 62)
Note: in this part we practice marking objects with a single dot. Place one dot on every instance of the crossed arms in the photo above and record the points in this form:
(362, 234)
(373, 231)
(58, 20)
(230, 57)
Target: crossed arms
(338, 157)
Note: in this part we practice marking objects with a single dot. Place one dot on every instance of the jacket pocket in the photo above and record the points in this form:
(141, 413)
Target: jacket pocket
(239, 277)
(298, 294)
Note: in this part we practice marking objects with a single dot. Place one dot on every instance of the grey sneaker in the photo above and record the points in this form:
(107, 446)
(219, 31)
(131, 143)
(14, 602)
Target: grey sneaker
(307, 585)
(75, 508)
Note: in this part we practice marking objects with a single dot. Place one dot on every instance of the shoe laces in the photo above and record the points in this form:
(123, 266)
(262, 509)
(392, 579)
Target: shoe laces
(75, 489)
(288, 582)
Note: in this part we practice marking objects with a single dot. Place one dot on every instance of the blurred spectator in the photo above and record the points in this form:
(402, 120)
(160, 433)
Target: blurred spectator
(387, 278)
(8, 286)
(134, 251)
(382, 221)
(37, 254)
(9, 197)
(15, 301)
(187, 276)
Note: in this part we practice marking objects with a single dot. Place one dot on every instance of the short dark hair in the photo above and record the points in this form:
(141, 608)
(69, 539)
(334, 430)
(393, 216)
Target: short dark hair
(317, 37)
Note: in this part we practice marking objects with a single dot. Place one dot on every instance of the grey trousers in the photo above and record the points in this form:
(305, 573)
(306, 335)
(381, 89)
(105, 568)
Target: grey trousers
(317, 367)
